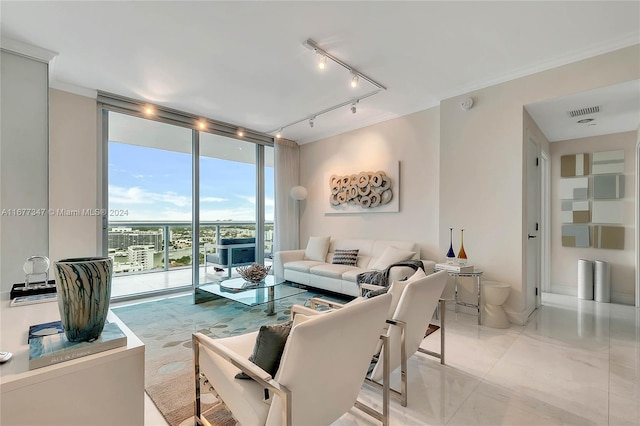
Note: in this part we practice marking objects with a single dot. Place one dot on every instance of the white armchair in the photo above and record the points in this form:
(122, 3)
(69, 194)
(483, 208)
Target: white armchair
(322, 369)
(412, 308)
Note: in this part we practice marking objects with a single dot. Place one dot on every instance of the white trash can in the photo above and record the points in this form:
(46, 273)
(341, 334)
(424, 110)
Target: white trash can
(602, 281)
(585, 279)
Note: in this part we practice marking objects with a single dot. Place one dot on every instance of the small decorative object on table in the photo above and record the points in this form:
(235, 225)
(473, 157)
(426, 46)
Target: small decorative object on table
(451, 255)
(84, 289)
(462, 255)
(253, 273)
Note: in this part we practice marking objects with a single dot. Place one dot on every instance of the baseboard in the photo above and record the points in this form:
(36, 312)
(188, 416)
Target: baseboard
(623, 298)
(564, 289)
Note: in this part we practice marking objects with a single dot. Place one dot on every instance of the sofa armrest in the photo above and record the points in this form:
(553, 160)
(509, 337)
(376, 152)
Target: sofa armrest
(282, 257)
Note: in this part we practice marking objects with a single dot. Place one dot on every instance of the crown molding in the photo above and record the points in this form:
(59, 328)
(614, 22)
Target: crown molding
(27, 50)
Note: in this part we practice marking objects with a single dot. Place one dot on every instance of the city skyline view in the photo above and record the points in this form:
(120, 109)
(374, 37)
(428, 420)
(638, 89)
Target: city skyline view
(151, 184)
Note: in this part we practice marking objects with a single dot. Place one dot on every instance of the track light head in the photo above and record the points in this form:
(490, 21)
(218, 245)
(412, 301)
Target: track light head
(322, 62)
(240, 132)
(353, 107)
(311, 121)
(279, 134)
(354, 80)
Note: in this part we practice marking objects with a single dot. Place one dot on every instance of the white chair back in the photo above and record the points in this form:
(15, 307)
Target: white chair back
(325, 362)
(416, 307)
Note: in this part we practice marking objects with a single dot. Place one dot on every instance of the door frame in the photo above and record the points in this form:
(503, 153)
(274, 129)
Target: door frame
(545, 235)
(530, 306)
(638, 222)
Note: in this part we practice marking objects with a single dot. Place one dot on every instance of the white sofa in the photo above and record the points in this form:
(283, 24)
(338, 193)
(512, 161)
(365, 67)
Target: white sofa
(299, 266)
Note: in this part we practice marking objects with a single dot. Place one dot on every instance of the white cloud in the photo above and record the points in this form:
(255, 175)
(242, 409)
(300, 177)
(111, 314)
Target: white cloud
(212, 199)
(137, 195)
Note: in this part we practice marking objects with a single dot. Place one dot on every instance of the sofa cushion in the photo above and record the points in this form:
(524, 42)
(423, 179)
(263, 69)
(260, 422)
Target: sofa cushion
(268, 348)
(352, 274)
(330, 270)
(390, 256)
(317, 248)
(345, 257)
(301, 265)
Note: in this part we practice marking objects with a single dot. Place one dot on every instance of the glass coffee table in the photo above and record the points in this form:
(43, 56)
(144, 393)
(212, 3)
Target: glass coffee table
(264, 292)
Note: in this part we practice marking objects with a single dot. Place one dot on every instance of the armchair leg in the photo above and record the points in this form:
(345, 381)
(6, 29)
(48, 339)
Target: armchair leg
(386, 389)
(196, 367)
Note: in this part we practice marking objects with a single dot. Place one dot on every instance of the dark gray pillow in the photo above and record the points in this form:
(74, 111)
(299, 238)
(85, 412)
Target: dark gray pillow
(268, 348)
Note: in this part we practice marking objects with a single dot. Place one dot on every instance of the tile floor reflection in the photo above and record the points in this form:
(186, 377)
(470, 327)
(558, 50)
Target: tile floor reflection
(574, 362)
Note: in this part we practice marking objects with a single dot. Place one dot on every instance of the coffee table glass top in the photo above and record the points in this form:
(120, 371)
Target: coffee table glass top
(239, 290)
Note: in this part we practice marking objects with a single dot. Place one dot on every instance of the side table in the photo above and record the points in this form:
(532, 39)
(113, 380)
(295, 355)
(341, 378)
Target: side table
(477, 274)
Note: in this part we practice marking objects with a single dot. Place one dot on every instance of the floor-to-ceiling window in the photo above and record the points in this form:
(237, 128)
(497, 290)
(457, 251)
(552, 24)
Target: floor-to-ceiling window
(173, 192)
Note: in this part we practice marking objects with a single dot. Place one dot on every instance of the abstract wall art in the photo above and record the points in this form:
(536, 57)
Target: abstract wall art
(608, 162)
(574, 188)
(608, 212)
(574, 165)
(576, 236)
(608, 237)
(576, 212)
(606, 187)
(363, 191)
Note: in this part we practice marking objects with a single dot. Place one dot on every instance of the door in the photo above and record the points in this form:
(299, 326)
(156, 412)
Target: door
(532, 273)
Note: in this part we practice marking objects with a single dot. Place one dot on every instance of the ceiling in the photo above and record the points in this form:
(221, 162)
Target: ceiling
(596, 112)
(244, 62)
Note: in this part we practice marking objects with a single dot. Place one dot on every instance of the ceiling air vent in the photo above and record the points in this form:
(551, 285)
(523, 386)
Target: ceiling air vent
(584, 111)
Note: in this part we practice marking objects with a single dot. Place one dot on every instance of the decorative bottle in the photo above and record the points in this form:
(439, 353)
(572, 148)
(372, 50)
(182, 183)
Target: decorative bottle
(451, 255)
(462, 255)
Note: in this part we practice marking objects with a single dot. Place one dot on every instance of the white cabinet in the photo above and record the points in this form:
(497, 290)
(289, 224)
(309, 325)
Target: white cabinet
(103, 389)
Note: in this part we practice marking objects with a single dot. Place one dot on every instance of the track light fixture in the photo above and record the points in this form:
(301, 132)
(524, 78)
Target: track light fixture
(314, 46)
(356, 76)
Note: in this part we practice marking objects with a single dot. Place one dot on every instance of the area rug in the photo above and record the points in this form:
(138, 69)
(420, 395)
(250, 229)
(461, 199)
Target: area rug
(165, 326)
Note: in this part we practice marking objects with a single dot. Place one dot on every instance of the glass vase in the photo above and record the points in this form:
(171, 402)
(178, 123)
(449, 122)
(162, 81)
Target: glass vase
(462, 255)
(451, 255)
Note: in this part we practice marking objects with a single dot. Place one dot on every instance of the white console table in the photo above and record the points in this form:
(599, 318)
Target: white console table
(103, 389)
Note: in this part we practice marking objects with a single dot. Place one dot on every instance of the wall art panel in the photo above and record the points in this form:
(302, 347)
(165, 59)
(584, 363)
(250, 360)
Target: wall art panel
(575, 212)
(574, 165)
(608, 187)
(608, 212)
(608, 237)
(576, 236)
(574, 188)
(608, 162)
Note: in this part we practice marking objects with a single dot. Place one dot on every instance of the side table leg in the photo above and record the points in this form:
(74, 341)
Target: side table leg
(479, 300)
(455, 286)
(443, 306)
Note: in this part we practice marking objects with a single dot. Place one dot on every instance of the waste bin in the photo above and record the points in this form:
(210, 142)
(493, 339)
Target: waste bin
(585, 279)
(602, 281)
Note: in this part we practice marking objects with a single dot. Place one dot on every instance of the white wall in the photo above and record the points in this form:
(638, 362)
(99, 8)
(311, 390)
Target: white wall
(73, 175)
(23, 165)
(413, 140)
(482, 153)
(564, 260)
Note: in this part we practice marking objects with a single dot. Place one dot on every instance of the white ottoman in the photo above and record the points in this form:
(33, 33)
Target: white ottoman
(495, 294)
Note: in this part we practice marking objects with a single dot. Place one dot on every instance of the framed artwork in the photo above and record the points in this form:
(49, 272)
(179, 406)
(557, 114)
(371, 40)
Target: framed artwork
(360, 190)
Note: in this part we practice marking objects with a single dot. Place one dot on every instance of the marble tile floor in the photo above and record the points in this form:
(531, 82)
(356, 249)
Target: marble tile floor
(575, 362)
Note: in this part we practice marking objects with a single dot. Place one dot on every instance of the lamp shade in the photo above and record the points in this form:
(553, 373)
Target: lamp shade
(298, 193)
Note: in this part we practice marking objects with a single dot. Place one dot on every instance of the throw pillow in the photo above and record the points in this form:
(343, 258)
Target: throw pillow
(317, 248)
(392, 255)
(268, 348)
(345, 257)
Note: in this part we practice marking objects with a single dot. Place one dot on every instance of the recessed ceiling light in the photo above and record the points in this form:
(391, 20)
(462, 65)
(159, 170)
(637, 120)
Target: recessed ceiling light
(585, 120)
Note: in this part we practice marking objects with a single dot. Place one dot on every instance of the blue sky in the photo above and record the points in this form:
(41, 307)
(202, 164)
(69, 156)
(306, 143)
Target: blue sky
(155, 184)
